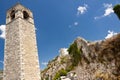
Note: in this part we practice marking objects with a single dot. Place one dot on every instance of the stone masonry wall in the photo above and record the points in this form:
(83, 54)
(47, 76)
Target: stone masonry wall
(21, 56)
(12, 62)
(30, 63)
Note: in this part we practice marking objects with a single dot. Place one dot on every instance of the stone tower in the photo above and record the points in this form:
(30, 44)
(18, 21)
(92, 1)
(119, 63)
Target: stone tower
(21, 55)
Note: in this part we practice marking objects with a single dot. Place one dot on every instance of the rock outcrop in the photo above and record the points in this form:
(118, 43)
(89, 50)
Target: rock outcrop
(58, 63)
(99, 60)
(1, 74)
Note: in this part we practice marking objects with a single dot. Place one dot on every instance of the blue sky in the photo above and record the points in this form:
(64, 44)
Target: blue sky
(59, 22)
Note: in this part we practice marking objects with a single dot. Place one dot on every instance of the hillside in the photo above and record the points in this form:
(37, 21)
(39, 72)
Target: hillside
(1, 74)
(99, 60)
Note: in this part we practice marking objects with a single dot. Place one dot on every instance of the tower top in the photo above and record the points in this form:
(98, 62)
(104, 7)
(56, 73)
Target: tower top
(19, 11)
(18, 5)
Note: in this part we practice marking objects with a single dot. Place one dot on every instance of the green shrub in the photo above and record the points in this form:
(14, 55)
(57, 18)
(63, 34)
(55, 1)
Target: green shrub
(75, 54)
(61, 72)
(47, 78)
(117, 10)
(63, 60)
(69, 68)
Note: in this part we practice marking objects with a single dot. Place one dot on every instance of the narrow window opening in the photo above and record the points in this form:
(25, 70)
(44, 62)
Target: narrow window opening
(12, 15)
(25, 15)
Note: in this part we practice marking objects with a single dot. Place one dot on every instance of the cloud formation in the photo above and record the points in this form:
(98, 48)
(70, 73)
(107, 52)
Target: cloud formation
(75, 23)
(44, 63)
(2, 29)
(82, 9)
(107, 12)
(2, 62)
(63, 52)
(110, 34)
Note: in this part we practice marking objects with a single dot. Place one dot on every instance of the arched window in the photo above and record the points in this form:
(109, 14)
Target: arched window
(25, 15)
(12, 14)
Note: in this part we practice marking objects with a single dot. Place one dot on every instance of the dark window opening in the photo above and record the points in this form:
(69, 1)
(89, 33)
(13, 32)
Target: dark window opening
(25, 15)
(12, 15)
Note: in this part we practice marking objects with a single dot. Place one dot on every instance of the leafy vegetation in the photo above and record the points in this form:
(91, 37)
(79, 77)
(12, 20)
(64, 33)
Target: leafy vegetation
(117, 10)
(1, 74)
(61, 72)
(1, 71)
(47, 78)
(75, 54)
(45, 69)
(69, 68)
(63, 60)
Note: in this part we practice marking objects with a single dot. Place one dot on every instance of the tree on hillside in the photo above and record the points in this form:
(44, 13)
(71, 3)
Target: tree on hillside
(75, 54)
(117, 10)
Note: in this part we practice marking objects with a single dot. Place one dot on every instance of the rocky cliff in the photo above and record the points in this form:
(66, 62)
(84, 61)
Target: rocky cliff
(58, 64)
(1, 74)
(99, 60)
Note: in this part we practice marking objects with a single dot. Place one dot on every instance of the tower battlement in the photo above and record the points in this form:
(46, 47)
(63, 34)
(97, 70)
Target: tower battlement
(19, 11)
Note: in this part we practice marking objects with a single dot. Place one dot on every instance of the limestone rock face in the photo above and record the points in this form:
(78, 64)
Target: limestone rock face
(103, 57)
(1, 75)
(58, 63)
(100, 60)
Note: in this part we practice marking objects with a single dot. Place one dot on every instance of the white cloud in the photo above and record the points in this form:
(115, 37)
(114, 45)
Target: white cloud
(2, 29)
(35, 29)
(44, 63)
(2, 62)
(110, 34)
(63, 51)
(75, 23)
(82, 9)
(106, 5)
(97, 17)
(107, 12)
